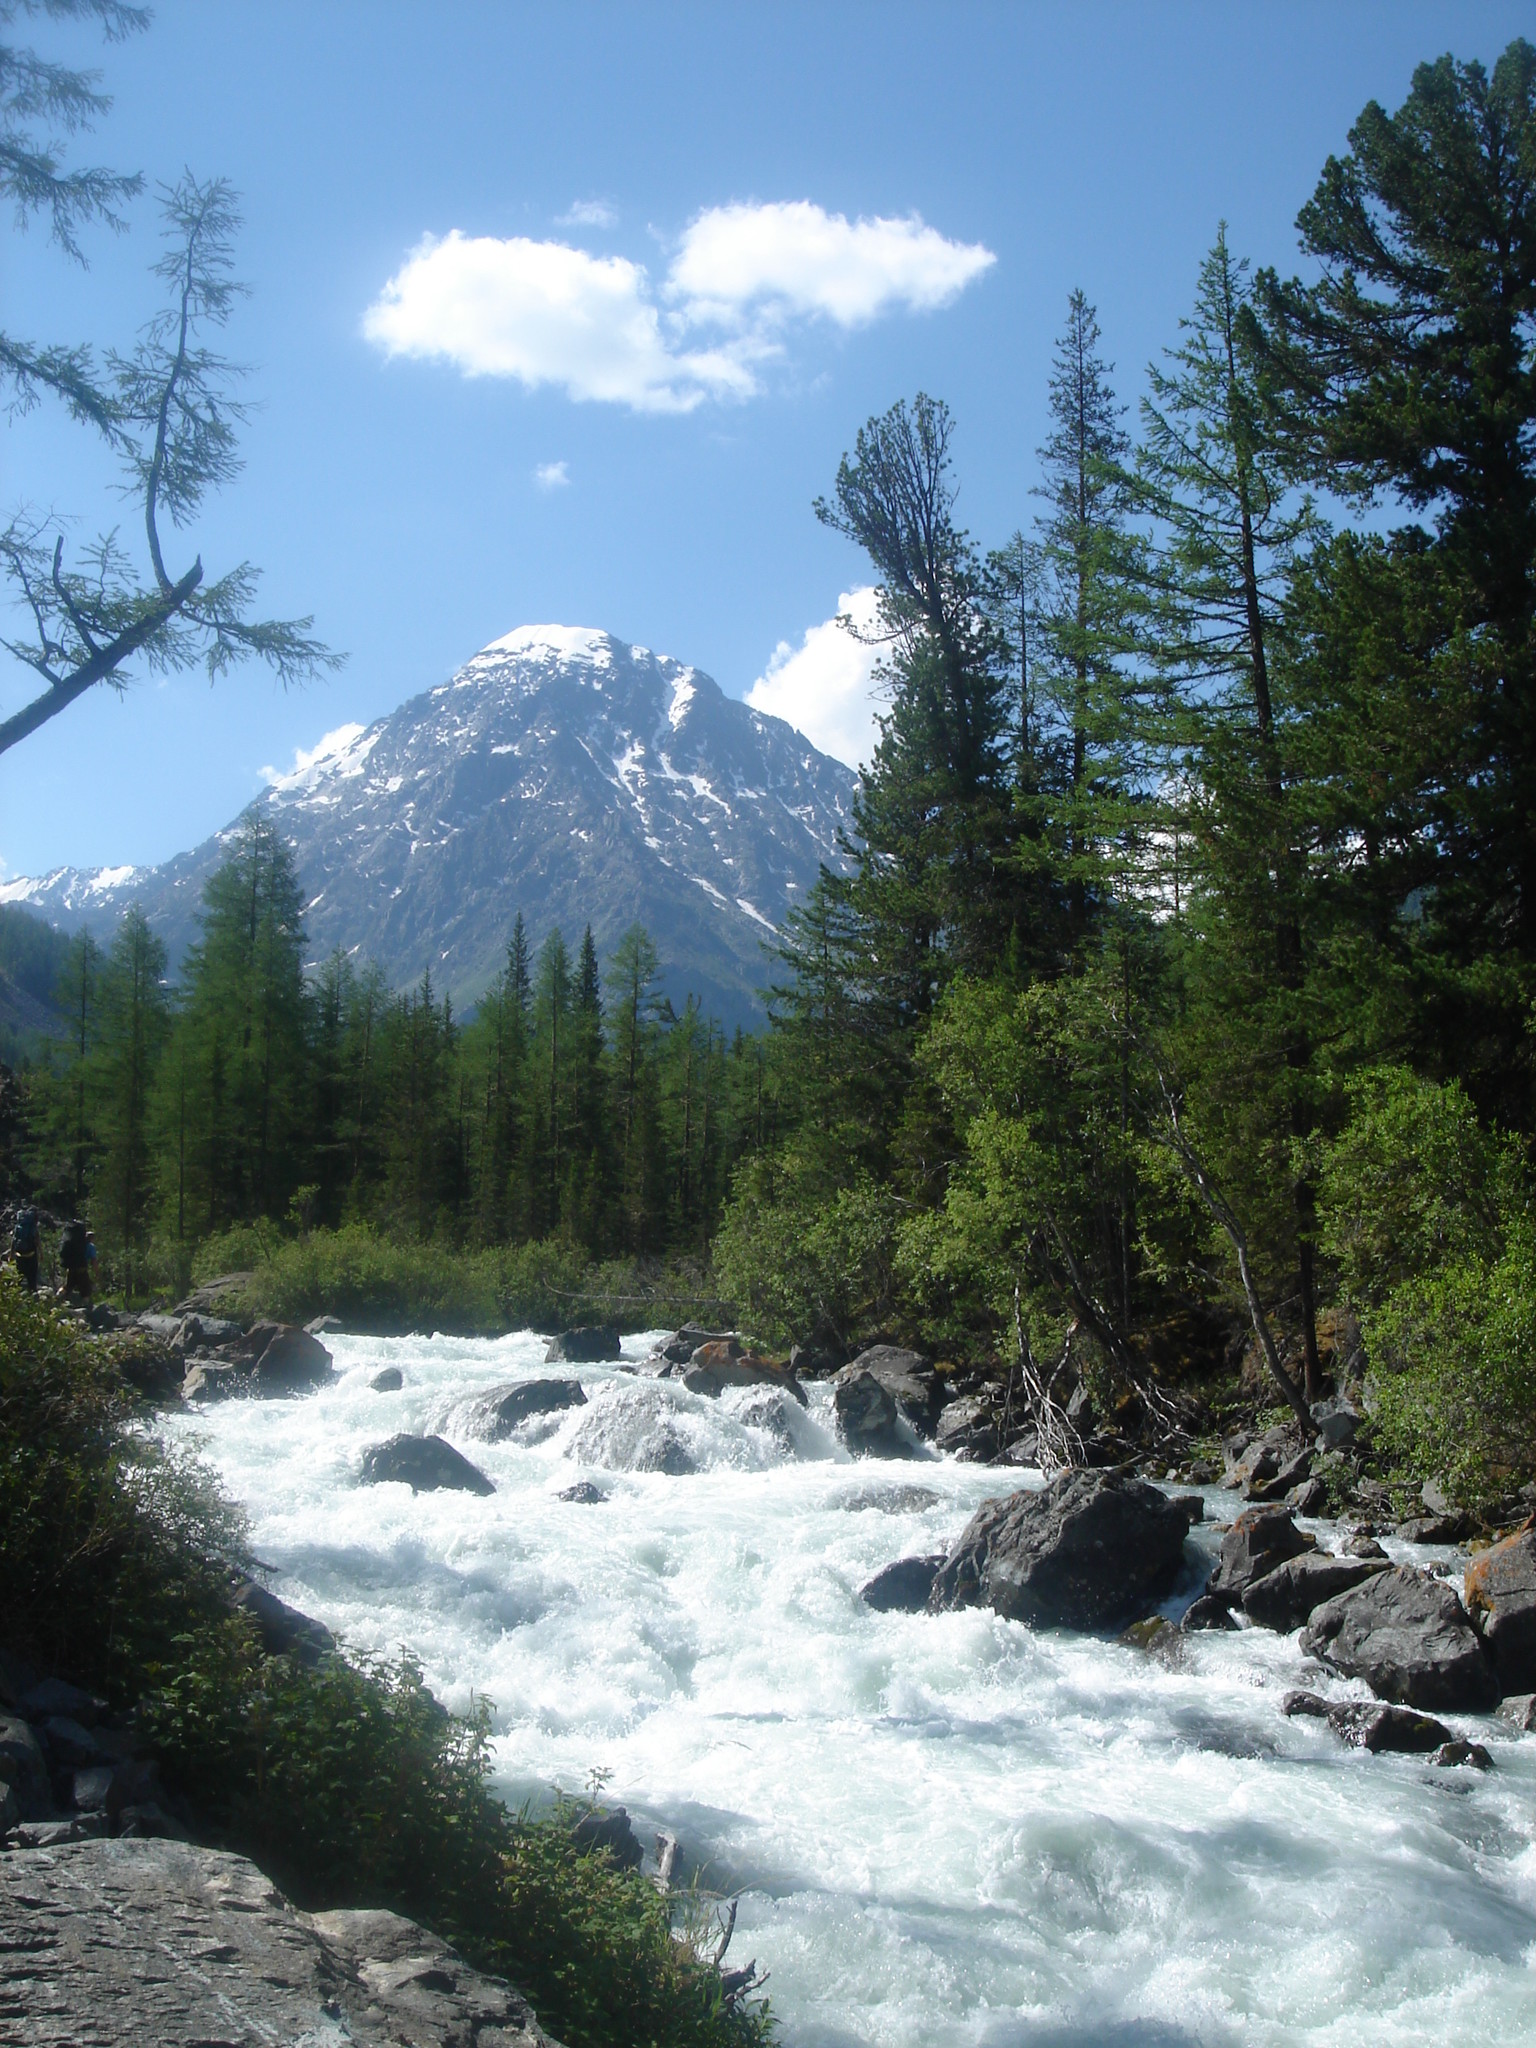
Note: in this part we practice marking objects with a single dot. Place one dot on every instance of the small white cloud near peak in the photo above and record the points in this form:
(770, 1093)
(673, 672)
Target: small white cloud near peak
(795, 257)
(552, 476)
(825, 687)
(588, 213)
(308, 763)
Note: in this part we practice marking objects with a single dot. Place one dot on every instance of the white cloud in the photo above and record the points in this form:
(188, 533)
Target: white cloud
(552, 476)
(546, 313)
(825, 686)
(306, 761)
(797, 258)
(588, 213)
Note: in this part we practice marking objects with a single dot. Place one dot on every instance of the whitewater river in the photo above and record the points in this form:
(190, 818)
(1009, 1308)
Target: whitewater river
(944, 1829)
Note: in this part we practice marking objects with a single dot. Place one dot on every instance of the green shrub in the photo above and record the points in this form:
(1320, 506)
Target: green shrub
(1430, 1222)
(349, 1783)
(797, 1259)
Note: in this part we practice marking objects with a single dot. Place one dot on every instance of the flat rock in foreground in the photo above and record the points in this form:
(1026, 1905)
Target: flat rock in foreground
(1092, 1551)
(120, 1944)
(1408, 1637)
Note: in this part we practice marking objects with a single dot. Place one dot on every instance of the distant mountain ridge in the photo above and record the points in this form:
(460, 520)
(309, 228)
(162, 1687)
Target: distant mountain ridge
(561, 772)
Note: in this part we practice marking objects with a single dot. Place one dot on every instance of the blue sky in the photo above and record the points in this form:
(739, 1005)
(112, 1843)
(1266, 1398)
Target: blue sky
(683, 252)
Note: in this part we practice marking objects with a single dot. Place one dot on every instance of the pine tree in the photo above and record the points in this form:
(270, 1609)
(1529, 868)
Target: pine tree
(634, 1009)
(134, 1022)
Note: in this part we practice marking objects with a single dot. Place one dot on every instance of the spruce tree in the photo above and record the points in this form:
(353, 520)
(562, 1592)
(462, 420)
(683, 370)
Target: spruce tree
(134, 1022)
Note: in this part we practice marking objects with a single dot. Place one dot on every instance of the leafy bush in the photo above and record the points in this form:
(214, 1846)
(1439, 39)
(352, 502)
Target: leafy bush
(348, 1782)
(797, 1259)
(1430, 1221)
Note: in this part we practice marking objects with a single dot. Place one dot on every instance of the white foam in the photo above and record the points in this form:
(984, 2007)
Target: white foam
(951, 1832)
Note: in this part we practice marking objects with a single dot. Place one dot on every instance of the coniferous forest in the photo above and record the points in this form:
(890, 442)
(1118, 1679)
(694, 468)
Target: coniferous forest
(1180, 979)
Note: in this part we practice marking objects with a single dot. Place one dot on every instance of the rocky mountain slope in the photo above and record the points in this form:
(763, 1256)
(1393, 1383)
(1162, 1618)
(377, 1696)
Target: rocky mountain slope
(560, 772)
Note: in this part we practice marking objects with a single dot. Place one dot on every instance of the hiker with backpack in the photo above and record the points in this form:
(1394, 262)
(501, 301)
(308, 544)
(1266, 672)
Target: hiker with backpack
(25, 1247)
(75, 1259)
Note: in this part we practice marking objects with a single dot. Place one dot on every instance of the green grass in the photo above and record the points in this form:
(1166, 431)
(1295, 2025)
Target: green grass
(349, 1783)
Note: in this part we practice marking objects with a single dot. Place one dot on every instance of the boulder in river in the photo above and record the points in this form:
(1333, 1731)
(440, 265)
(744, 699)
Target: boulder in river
(1366, 1724)
(866, 1415)
(1092, 1551)
(902, 1587)
(1283, 1598)
(291, 1362)
(590, 1344)
(714, 1368)
(388, 1380)
(426, 1464)
(967, 1429)
(1408, 1637)
(1501, 1599)
(1258, 1540)
(496, 1413)
(909, 1379)
(583, 1494)
(1519, 1710)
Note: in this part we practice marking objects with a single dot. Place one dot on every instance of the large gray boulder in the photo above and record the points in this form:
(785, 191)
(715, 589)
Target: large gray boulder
(291, 1362)
(24, 1768)
(1257, 1541)
(118, 1944)
(1366, 1724)
(591, 1344)
(1501, 1599)
(284, 1631)
(496, 1413)
(866, 1412)
(1408, 1637)
(426, 1464)
(1092, 1551)
(1283, 1598)
(968, 1429)
(909, 1379)
(714, 1367)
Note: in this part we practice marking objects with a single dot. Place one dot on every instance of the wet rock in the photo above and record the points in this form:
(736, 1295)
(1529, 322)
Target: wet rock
(1472, 1754)
(290, 1362)
(636, 1429)
(1086, 1552)
(711, 1371)
(1408, 1637)
(426, 1464)
(140, 1941)
(1024, 1450)
(589, 1344)
(1291, 1473)
(1193, 1506)
(1519, 1710)
(776, 1413)
(866, 1414)
(1362, 1544)
(1258, 1540)
(284, 1631)
(499, 1411)
(680, 1347)
(910, 1380)
(1208, 1611)
(665, 1449)
(609, 1828)
(388, 1381)
(1159, 1638)
(968, 1429)
(1500, 1589)
(902, 1587)
(888, 1500)
(583, 1494)
(1453, 1528)
(1283, 1598)
(1366, 1724)
(211, 1379)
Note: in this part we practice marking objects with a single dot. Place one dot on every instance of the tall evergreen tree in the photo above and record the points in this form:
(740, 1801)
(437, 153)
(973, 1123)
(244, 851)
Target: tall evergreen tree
(134, 1021)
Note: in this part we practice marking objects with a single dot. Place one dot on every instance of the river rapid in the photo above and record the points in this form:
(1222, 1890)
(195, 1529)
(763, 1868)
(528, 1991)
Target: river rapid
(946, 1829)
